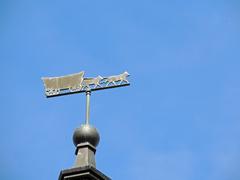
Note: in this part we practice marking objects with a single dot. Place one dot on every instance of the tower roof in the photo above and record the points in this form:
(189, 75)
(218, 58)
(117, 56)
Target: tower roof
(82, 173)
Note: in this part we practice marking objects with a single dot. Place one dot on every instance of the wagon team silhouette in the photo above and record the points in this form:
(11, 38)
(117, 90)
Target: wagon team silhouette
(77, 82)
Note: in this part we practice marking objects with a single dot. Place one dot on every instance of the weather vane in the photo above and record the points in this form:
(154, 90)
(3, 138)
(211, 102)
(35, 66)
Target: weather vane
(77, 83)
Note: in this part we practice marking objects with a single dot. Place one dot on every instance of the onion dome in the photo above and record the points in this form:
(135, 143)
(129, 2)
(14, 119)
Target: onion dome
(86, 133)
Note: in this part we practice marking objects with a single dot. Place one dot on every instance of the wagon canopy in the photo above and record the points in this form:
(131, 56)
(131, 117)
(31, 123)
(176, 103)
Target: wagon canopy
(56, 84)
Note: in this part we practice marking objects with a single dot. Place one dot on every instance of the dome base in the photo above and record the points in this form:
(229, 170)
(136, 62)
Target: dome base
(85, 155)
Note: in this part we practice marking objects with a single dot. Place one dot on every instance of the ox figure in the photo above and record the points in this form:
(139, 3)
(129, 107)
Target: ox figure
(87, 82)
(113, 79)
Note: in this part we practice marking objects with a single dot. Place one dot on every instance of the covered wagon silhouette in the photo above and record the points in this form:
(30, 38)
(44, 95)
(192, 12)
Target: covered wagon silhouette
(72, 82)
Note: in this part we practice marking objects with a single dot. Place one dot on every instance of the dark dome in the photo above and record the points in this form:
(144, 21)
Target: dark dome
(86, 133)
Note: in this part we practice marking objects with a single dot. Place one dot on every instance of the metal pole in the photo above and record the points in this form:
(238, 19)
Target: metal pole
(88, 93)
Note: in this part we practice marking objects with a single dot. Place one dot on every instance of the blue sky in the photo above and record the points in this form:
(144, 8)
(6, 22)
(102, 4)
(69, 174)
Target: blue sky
(179, 119)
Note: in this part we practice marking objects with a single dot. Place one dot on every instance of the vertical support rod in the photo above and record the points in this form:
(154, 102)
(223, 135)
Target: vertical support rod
(88, 93)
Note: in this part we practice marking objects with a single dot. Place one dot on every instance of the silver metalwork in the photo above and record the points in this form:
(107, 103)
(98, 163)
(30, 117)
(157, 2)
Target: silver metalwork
(87, 82)
(88, 94)
(118, 78)
(76, 83)
(72, 82)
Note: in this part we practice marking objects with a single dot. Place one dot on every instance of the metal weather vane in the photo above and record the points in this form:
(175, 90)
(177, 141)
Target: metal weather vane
(77, 83)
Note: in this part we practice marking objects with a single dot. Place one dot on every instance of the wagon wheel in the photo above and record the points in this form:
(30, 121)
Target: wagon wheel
(73, 89)
(79, 87)
(48, 92)
(54, 91)
(57, 91)
(51, 92)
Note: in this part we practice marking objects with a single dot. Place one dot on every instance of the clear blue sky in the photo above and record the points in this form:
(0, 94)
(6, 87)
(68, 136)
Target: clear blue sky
(179, 119)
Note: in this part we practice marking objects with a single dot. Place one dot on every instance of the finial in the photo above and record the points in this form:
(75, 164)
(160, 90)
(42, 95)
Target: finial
(86, 133)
